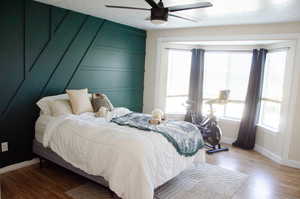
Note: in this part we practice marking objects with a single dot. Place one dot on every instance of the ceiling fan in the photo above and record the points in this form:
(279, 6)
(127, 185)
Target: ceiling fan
(160, 13)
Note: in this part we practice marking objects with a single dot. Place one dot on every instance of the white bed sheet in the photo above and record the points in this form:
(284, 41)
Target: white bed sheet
(40, 126)
(134, 162)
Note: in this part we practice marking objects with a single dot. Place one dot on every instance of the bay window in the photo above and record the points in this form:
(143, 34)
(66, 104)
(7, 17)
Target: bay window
(272, 89)
(228, 70)
(179, 67)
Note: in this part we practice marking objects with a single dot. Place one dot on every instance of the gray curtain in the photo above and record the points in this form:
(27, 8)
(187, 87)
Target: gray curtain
(196, 83)
(247, 131)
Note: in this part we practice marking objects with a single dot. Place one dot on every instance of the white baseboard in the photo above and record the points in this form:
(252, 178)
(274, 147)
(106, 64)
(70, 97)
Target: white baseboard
(257, 148)
(268, 154)
(292, 163)
(19, 165)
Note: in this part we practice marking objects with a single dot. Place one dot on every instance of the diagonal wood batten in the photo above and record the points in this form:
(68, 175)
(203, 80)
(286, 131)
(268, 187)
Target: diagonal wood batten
(45, 50)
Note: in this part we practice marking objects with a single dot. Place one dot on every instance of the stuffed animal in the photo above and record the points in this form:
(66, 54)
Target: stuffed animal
(102, 112)
(157, 116)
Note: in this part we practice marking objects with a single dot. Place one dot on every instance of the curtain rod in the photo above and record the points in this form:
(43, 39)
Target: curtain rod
(279, 49)
(272, 49)
(179, 49)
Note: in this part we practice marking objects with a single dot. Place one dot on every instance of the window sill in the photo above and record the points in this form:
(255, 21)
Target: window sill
(175, 116)
(268, 129)
(182, 115)
(229, 119)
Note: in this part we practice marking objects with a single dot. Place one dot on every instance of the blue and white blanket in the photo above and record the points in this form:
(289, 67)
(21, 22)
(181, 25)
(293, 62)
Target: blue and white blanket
(184, 136)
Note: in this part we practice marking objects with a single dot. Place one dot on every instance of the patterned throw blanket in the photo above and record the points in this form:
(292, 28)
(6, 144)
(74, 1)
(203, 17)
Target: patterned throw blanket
(184, 136)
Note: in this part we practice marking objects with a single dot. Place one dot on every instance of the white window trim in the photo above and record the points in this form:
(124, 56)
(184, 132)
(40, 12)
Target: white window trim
(156, 91)
(277, 48)
(268, 129)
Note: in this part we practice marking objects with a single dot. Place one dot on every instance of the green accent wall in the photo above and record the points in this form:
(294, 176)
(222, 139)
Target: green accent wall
(45, 50)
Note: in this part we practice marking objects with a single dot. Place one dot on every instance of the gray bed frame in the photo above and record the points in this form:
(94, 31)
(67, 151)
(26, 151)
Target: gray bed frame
(47, 154)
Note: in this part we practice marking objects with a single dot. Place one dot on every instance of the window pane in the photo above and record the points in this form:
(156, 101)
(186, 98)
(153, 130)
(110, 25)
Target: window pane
(215, 70)
(234, 110)
(218, 109)
(273, 88)
(238, 75)
(270, 114)
(274, 74)
(175, 105)
(227, 70)
(178, 72)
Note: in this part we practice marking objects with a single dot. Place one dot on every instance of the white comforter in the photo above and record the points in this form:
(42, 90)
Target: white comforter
(134, 162)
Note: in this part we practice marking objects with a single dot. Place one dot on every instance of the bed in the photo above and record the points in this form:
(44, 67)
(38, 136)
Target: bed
(131, 162)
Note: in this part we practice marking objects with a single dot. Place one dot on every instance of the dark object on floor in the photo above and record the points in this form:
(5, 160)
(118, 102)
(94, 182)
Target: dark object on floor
(210, 130)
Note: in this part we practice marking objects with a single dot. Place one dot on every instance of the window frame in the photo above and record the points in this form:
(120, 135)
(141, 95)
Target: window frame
(267, 99)
(167, 96)
(234, 101)
(272, 48)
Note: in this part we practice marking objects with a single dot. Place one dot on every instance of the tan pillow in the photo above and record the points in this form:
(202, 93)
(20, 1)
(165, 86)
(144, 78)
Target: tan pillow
(80, 101)
(100, 100)
(60, 107)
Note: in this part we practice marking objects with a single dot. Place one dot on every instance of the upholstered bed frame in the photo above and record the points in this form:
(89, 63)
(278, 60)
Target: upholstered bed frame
(47, 154)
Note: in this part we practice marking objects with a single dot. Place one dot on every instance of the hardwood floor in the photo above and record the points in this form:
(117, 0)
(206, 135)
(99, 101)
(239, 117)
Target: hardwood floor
(267, 180)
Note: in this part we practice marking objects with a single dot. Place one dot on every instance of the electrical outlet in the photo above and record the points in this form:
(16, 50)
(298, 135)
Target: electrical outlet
(4, 146)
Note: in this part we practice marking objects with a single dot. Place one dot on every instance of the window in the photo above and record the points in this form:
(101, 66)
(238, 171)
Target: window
(179, 66)
(272, 89)
(226, 70)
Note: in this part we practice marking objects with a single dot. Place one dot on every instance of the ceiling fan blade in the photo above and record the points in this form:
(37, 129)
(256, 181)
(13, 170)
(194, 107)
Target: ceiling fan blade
(124, 7)
(190, 6)
(152, 3)
(185, 18)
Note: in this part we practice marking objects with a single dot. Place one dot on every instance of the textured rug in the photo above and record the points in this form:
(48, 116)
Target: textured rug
(202, 182)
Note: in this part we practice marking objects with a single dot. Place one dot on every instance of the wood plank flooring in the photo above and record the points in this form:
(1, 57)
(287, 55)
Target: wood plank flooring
(268, 180)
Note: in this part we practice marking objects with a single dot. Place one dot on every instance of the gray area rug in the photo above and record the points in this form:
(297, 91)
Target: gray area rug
(202, 182)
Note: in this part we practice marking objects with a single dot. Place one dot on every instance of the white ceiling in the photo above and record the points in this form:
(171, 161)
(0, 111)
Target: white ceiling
(224, 12)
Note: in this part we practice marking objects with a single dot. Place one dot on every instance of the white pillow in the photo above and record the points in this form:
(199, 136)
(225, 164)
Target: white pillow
(44, 103)
(80, 101)
(60, 107)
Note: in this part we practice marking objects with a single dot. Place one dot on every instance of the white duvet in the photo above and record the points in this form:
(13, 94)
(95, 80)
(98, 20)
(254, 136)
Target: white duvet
(134, 162)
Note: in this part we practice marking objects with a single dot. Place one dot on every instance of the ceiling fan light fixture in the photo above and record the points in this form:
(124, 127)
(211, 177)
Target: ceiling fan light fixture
(160, 13)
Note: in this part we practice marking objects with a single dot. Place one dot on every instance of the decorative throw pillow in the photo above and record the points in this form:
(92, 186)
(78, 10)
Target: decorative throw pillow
(60, 107)
(100, 100)
(80, 101)
(45, 103)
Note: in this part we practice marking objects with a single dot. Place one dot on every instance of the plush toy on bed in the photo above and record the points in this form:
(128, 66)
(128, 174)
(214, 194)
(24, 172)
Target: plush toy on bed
(101, 104)
(157, 116)
(101, 100)
(103, 111)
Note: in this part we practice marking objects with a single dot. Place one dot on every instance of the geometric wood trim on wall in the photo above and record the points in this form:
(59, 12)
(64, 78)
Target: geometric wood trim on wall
(47, 50)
